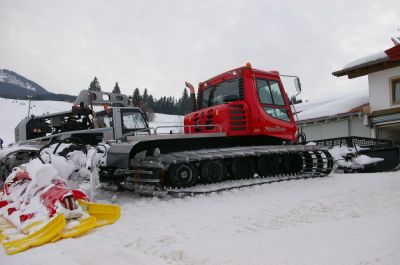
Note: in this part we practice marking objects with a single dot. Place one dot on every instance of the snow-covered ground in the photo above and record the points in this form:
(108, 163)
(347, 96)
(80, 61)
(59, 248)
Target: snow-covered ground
(342, 219)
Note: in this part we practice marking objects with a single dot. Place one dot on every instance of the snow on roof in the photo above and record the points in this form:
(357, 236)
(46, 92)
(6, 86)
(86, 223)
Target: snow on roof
(373, 58)
(384, 59)
(328, 107)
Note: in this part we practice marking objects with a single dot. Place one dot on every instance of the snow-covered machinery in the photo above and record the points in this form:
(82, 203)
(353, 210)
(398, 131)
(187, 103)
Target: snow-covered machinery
(362, 154)
(37, 206)
(241, 126)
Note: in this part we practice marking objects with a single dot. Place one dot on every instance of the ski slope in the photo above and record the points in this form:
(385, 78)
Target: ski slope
(13, 111)
(342, 219)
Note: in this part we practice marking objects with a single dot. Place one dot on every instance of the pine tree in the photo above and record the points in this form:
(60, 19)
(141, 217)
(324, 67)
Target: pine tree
(145, 97)
(150, 101)
(184, 103)
(137, 99)
(116, 89)
(95, 85)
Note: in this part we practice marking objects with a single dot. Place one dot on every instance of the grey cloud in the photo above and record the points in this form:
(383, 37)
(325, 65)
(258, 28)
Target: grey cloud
(62, 45)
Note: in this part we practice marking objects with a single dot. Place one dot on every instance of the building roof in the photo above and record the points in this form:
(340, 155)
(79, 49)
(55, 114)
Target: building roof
(373, 63)
(327, 108)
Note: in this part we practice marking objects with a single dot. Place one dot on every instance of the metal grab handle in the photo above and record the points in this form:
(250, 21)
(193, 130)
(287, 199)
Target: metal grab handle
(189, 127)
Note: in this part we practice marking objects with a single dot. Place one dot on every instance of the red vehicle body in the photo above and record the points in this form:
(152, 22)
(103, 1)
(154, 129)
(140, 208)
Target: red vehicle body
(243, 102)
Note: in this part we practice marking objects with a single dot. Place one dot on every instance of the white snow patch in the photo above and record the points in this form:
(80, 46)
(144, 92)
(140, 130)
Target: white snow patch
(367, 59)
(363, 160)
(167, 123)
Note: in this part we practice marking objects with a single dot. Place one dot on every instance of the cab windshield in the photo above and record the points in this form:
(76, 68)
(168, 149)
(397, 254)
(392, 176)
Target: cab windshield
(132, 120)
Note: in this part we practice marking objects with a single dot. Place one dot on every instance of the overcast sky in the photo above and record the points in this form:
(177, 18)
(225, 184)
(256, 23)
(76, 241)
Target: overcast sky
(62, 45)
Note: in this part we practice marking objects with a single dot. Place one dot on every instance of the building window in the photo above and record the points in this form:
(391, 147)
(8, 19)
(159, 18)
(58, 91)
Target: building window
(396, 90)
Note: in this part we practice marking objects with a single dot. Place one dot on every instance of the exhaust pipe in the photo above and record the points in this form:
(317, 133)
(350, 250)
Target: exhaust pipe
(192, 94)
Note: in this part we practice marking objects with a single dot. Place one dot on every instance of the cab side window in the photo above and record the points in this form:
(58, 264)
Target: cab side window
(271, 99)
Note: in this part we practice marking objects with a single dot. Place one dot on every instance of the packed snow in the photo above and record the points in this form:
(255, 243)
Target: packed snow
(341, 219)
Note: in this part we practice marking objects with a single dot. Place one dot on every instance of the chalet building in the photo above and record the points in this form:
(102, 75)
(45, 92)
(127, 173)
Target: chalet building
(383, 71)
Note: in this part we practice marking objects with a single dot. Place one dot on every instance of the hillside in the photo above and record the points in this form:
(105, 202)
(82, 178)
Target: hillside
(15, 86)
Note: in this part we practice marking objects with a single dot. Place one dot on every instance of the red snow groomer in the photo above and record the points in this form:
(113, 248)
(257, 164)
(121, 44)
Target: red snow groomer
(36, 206)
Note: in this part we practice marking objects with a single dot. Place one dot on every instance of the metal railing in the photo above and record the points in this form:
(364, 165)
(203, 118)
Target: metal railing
(353, 141)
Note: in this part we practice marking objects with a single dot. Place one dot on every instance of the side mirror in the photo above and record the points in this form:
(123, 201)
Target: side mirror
(297, 84)
(230, 98)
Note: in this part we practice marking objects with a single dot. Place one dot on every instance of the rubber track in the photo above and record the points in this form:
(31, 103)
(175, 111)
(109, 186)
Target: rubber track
(317, 162)
(185, 193)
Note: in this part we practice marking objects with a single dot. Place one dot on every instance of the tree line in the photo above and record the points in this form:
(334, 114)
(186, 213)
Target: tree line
(167, 105)
(150, 104)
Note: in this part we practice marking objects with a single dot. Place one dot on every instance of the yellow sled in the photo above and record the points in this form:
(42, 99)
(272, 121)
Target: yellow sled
(104, 213)
(57, 228)
(37, 238)
(83, 226)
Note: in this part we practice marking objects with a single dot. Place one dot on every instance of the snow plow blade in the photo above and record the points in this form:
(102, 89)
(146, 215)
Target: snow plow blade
(104, 213)
(83, 226)
(40, 237)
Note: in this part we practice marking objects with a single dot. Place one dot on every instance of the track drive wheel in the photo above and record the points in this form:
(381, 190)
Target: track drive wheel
(293, 163)
(212, 171)
(268, 165)
(243, 167)
(182, 175)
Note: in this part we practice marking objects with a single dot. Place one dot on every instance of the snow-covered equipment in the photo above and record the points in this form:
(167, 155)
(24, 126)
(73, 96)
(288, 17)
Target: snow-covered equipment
(363, 154)
(241, 127)
(37, 206)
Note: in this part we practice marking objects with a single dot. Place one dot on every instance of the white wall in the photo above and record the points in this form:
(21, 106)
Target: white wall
(357, 128)
(341, 128)
(380, 89)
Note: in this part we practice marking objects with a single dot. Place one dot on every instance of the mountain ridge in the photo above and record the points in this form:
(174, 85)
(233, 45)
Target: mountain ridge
(16, 86)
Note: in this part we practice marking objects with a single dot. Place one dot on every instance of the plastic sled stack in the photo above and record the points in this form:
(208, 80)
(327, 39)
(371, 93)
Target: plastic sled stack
(37, 207)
